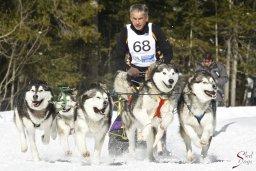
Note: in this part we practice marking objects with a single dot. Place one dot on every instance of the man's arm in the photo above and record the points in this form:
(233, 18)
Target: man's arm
(118, 57)
(223, 78)
(163, 44)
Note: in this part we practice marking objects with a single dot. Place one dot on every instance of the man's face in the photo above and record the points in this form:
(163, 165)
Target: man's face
(138, 19)
(207, 62)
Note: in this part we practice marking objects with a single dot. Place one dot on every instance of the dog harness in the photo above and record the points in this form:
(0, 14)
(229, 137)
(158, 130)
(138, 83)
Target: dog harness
(38, 125)
(161, 103)
(198, 118)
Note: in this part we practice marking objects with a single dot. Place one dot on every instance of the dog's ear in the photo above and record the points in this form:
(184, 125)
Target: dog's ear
(190, 80)
(104, 86)
(74, 93)
(150, 71)
(81, 99)
(93, 85)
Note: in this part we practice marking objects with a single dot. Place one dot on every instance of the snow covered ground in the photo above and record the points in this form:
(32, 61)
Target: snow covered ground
(233, 145)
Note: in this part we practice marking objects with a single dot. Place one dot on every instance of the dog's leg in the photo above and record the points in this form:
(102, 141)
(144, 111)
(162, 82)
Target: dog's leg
(187, 141)
(150, 141)
(54, 129)
(159, 135)
(20, 126)
(167, 118)
(81, 129)
(143, 118)
(159, 148)
(192, 135)
(166, 121)
(207, 133)
(47, 131)
(63, 131)
(97, 149)
(131, 137)
(205, 149)
(31, 136)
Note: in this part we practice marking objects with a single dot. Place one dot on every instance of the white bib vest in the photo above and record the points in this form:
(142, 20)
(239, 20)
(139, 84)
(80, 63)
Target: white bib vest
(141, 47)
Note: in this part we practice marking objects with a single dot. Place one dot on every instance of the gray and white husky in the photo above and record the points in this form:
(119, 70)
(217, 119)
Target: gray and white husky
(150, 108)
(65, 107)
(92, 119)
(197, 110)
(33, 110)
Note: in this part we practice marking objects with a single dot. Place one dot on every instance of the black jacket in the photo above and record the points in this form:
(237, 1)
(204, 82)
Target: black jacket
(118, 57)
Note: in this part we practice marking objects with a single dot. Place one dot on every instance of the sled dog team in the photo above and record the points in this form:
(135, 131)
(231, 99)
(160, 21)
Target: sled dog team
(149, 108)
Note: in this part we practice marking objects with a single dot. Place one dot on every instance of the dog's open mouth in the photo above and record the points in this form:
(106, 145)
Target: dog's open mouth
(168, 86)
(210, 93)
(37, 103)
(66, 109)
(102, 111)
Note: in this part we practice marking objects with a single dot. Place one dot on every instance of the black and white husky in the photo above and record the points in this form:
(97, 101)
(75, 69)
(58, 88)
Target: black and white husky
(197, 110)
(33, 110)
(150, 108)
(92, 119)
(65, 107)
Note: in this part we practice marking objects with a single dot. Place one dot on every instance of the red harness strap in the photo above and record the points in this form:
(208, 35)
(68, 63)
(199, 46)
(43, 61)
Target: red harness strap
(130, 100)
(158, 113)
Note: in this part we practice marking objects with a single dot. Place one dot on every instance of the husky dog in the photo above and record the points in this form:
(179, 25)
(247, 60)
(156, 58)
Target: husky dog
(150, 108)
(65, 107)
(32, 111)
(197, 110)
(92, 119)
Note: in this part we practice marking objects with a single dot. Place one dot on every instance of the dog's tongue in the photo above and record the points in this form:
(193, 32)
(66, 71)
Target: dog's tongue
(36, 103)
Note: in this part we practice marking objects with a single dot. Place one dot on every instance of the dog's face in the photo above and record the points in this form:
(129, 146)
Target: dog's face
(38, 94)
(165, 77)
(203, 86)
(66, 104)
(97, 104)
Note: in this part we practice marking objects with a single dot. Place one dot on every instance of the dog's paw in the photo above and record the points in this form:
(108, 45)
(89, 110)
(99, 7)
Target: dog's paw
(204, 142)
(146, 132)
(151, 158)
(86, 154)
(95, 162)
(45, 139)
(68, 153)
(198, 143)
(54, 135)
(24, 148)
(190, 158)
(36, 158)
(204, 160)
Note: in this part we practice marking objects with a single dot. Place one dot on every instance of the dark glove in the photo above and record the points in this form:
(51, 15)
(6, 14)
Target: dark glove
(133, 72)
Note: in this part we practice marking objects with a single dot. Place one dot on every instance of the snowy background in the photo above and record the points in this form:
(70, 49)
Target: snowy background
(235, 136)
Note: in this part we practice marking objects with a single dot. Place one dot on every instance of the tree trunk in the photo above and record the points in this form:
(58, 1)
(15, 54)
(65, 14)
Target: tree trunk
(13, 83)
(227, 85)
(190, 45)
(216, 35)
(234, 72)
